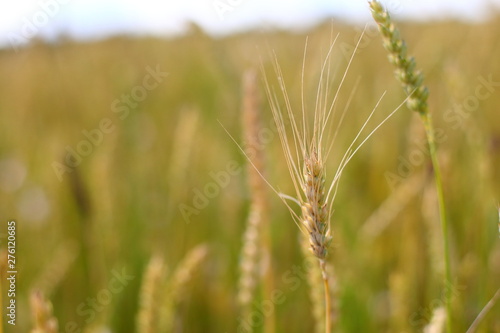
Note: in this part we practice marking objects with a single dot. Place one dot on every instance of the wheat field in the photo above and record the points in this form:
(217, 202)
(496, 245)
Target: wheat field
(121, 163)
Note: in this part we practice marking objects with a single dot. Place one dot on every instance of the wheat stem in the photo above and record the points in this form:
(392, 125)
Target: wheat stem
(442, 213)
(328, 305)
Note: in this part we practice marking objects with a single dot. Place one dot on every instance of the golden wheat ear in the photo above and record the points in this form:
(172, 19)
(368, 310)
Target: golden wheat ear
(437, 321)
(175, 287)
(41, 309)
(55, 272)
(304, 150)
(150, 297)
(255, 254)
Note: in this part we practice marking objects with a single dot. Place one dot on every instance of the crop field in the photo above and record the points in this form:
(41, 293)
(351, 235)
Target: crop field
(133, 169)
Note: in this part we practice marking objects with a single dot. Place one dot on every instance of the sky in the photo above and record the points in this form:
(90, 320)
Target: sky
(87, 19)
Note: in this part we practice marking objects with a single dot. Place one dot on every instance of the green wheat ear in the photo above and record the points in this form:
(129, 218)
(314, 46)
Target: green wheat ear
(417, 101)
(410, 78)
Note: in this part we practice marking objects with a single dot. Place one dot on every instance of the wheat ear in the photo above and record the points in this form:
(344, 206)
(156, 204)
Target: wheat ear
(256, 255)
(305, 160)
(437, 322)
(41, 309)
(176, 285)
(411, 81)
(410, 78)
(151, 296)
(55, 272)
(315, 214)
(249, 262)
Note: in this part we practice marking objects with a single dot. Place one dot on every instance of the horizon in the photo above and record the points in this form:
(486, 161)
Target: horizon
(50, 20)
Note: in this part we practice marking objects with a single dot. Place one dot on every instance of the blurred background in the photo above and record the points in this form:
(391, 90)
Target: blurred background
(113, 150)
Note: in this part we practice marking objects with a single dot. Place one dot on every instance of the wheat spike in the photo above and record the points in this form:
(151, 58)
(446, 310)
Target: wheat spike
(176, 283)
(56, 270)
(437, 322)
(410, 78)
(314, 209)
(255, 255)
(41, 309)
(305, 154)
(151, 296)
(249, 265)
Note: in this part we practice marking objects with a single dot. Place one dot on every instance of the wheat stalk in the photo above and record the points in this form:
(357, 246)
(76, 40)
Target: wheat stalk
(314, 279)
(411, 81)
